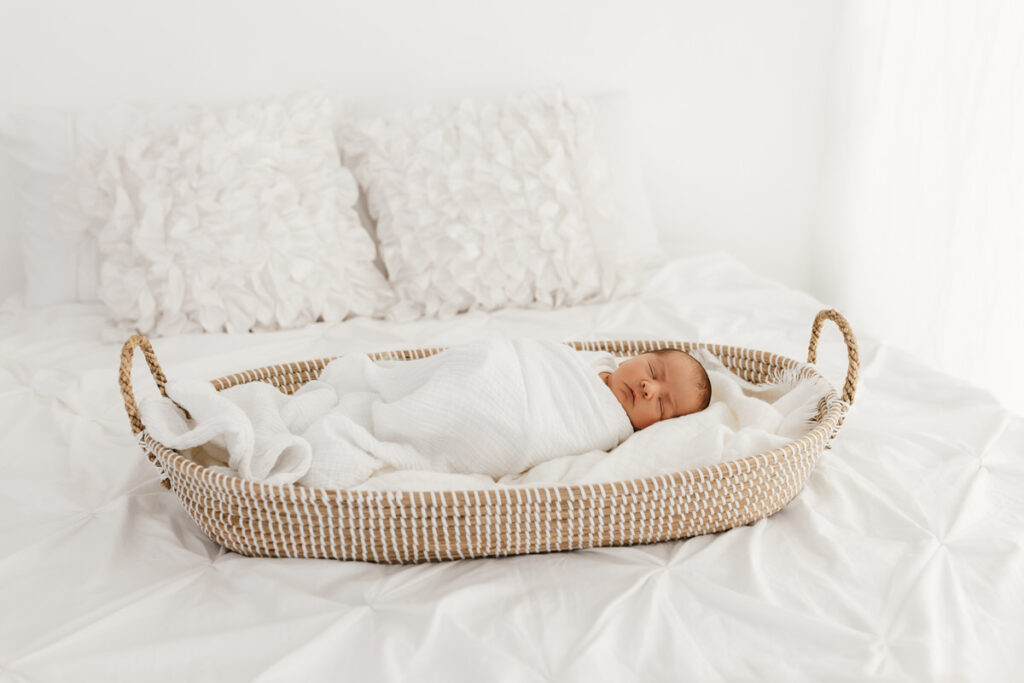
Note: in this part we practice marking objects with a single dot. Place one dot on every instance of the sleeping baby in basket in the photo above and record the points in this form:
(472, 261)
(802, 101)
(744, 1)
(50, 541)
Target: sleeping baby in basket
(490, 407)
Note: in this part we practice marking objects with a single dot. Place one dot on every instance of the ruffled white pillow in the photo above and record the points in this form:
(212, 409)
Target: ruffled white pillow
(239, 220)
(487, 205)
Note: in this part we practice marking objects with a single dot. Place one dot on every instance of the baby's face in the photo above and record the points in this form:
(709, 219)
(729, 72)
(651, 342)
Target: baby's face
(653, 387)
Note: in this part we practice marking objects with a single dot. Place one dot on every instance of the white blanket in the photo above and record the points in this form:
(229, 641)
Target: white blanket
(250, 430)
(743, 419)
(490, 408)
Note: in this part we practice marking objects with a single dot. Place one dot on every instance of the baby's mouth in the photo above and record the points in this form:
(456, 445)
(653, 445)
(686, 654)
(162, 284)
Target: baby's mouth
(632, 394)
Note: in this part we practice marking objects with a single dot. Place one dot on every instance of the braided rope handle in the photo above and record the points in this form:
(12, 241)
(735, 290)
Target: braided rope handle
(125, 377)
(850, 387)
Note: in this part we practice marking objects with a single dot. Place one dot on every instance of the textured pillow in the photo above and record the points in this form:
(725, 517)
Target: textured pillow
(487, 205)
(239, 220)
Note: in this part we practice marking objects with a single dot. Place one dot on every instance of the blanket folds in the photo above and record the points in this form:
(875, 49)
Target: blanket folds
(491, 407)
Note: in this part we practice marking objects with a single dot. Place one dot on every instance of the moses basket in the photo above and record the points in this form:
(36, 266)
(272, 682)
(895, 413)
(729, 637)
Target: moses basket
(262, 520)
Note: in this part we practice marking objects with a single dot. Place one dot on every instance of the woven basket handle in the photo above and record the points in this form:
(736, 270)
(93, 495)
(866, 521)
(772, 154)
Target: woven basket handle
(851, 347)
(125, 376)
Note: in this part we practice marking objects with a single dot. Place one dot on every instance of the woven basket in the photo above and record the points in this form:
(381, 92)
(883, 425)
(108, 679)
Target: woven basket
(417, 526)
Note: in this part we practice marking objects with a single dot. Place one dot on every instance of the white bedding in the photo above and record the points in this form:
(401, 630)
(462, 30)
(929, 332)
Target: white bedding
(902, 558)
(491, 407)
(250, 430)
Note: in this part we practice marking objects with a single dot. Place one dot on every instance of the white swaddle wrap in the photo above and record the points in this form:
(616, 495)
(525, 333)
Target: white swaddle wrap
(491, 407)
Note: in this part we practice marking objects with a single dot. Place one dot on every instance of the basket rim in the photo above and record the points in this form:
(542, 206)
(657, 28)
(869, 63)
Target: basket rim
(815, 439)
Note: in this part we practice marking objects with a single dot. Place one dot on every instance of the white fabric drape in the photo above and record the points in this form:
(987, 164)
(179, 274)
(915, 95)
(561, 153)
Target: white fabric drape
(921, 240)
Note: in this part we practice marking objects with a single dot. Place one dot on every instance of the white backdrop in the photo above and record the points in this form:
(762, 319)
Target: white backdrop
(865, 152)
(922, 226)
(729, 97)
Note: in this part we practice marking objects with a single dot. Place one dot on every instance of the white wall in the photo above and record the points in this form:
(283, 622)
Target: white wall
(729, 96)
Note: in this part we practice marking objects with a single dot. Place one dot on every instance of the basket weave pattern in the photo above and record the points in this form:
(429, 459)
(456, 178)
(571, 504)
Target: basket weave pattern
(416, 526)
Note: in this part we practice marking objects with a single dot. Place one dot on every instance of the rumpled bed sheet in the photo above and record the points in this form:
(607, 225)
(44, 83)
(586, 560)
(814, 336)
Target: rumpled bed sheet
(901, 558)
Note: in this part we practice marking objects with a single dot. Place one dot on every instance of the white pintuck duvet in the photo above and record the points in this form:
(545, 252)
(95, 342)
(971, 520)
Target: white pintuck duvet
(901, 559)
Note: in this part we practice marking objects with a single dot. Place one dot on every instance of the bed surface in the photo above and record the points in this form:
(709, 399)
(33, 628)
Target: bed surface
(902, 558)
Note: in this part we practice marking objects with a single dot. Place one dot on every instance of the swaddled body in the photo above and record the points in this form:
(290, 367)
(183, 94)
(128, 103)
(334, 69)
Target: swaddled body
(494, 408)
(491, 407)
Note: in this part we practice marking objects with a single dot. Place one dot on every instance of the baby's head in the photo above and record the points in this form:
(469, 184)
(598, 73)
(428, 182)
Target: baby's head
(658, 385)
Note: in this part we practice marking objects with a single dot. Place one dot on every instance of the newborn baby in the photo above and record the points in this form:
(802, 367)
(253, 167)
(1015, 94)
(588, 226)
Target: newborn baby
(491, 407)
(658, 385)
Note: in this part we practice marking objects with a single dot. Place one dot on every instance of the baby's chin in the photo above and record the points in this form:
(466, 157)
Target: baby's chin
(630, 416)
(625, 408)
(622, 402)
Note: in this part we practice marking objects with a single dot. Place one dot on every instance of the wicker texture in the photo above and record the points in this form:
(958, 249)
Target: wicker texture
(416, 526)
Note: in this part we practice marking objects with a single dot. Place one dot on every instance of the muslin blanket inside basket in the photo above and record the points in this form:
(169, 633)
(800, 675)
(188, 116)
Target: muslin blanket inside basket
(489, 407)
(743, 419)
